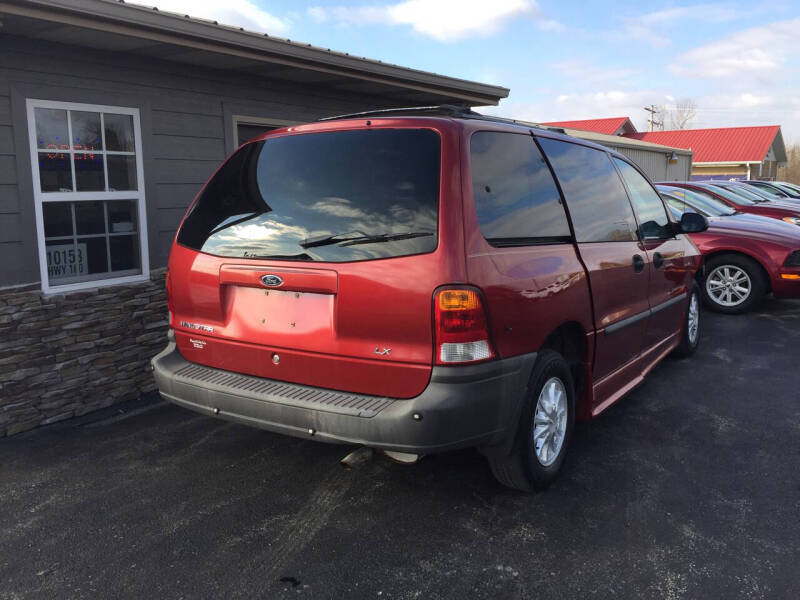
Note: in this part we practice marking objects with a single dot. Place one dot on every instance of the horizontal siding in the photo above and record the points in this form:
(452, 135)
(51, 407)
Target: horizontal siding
(193, 148)
(16, 267)
(10, 228)
(5, 110)
(8, 170)
(182, 171)
(167, 122)
(9, 198)
(170, 218)
(163, 244)
(100, 69)
(6, 139)
(176, 195)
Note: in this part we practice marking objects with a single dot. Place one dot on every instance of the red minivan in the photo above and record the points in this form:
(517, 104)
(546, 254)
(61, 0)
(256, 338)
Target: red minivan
(425, 280)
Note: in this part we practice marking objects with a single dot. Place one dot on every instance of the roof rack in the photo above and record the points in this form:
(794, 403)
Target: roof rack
(441, 110)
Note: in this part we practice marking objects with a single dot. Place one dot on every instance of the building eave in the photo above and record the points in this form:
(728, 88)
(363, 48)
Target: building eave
(161, 27)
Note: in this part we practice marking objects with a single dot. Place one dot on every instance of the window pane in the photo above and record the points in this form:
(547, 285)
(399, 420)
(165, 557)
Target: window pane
(595, 196)
(89, 217)
(96, 254)
(119, 132)
(338, 196)
(89, 175)
(57, 219)
(55, 172)
(65, 261)
(51, 128)
(86, 131)
(653, 221)
(124, 253)
(246, 132)
(121, 172)
(121, 216)
(515, 195)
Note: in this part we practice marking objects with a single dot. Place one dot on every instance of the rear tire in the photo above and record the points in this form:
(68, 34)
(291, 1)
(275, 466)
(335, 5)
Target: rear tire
(690, 335)
(545, 427)
(733, 284)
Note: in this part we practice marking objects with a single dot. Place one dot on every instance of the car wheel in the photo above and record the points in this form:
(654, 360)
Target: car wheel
(545, 427)
(733, 284)
(690, 335)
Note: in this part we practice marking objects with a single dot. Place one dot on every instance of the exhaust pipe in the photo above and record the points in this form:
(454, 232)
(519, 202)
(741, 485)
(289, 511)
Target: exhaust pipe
(404, 458)
(356, 458)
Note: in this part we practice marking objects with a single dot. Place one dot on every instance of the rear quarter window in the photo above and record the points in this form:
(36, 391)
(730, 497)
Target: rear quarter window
(516, 199)
(332, 196)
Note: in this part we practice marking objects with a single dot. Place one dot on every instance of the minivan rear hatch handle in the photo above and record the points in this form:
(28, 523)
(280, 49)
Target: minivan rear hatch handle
(318, 281)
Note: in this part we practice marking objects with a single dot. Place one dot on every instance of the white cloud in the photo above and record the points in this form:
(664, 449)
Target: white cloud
(443, 20)
(757, 50)
(238, 13)
(653, 27)
(583, 74)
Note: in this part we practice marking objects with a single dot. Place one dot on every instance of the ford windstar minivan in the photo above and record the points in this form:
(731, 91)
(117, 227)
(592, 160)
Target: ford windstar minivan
(422, 280)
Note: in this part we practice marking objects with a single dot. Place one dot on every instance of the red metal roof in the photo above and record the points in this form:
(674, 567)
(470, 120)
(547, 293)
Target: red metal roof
(721, 144)
(608, 126)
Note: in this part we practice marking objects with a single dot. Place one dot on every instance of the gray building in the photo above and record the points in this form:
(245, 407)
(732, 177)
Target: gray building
(111, 118)
(660, 163)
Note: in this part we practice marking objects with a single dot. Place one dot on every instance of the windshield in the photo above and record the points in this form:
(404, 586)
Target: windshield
(333, 196)
(729, 195)
(766, 192)
(788, 188)
(743, 190)
(700, 201)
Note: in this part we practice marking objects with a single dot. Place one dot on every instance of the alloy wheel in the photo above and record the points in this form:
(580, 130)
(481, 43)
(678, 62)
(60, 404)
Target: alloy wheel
(550, 421)
(729, 285)
(693, 319)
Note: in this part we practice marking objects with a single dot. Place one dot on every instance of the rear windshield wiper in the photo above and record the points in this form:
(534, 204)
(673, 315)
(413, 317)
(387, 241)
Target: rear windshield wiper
(340, 238)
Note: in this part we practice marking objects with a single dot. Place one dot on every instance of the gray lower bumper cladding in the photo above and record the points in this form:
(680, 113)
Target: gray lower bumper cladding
(476, 405)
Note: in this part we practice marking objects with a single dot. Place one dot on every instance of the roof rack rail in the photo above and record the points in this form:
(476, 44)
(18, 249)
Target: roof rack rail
(450, 110)
(444, 110)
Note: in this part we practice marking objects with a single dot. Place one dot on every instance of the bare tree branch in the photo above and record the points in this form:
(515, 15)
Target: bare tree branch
(683, 114)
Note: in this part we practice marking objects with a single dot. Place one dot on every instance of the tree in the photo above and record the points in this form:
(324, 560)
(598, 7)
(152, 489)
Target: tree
(683, 114)
(791, 172)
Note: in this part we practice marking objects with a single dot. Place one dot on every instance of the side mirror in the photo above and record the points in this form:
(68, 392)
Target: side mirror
(692, 222)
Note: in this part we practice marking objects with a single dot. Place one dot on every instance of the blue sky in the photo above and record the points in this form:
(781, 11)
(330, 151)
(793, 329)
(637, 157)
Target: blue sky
(739, 62)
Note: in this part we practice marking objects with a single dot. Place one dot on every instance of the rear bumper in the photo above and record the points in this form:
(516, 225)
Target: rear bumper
(463, 406)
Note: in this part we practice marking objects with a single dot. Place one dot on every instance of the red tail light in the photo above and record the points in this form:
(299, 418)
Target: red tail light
(462, 330)
(170, 309)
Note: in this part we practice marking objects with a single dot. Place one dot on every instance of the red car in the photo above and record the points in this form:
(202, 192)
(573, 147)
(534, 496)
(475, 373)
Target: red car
(787, 211)
(747, 256)
(417, 284)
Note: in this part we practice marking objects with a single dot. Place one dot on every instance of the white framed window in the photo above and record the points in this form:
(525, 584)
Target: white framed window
(88, 189)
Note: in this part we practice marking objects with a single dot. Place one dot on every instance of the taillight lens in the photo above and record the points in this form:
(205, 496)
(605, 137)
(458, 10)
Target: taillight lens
(462, 330)
(170, 310)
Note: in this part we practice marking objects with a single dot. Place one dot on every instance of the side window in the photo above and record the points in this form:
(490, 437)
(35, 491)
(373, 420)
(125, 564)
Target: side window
(653, 220)
(677, 207)
(516, 199)
(597, 201)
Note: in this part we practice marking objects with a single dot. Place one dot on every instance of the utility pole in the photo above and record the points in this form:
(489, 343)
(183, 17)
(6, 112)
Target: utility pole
(653, 112)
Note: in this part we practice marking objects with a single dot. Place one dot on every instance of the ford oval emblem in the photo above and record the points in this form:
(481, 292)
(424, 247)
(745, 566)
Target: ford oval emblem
(272, 280)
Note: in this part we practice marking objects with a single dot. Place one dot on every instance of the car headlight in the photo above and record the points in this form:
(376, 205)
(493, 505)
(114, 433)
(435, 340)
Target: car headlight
(792, 220)
(793, 260)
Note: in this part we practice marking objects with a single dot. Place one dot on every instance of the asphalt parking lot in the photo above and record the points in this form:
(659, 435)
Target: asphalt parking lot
(689, 488)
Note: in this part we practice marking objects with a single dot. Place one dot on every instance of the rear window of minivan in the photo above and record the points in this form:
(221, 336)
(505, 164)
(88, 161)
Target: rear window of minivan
(331, 196)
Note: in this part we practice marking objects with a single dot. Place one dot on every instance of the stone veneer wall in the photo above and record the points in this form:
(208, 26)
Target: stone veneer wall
(64, 355)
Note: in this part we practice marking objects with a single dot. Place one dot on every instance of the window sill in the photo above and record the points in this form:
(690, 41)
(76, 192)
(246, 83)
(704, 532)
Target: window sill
(97, 283)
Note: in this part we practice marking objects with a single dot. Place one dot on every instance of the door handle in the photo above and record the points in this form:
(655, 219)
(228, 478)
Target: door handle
(638, 263)
(658, 260)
